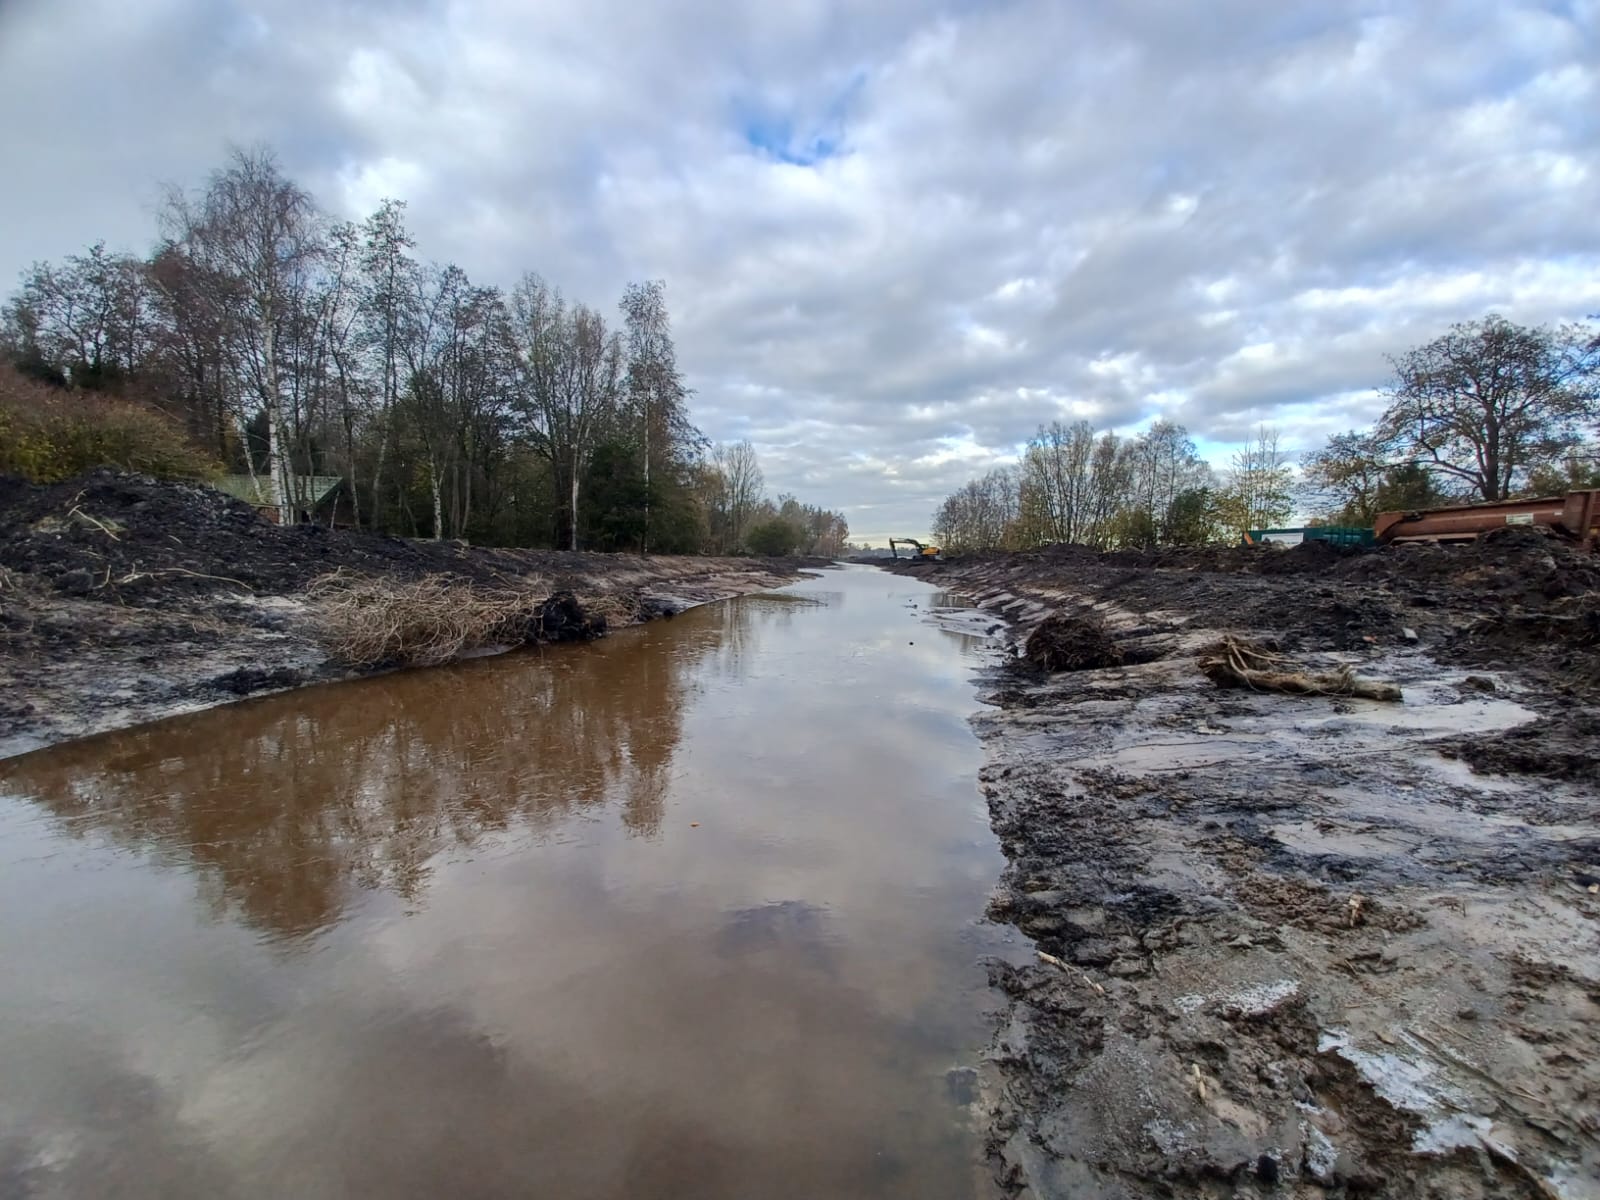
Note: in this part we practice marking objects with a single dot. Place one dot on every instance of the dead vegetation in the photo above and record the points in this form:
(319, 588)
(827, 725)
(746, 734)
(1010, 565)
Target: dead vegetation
(370, 622)
(1238, 662)
(1065, 642)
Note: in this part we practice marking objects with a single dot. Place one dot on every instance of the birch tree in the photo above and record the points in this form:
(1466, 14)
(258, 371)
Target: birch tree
(742, 470)
(656, 392)
(256, 233)
(389, 286)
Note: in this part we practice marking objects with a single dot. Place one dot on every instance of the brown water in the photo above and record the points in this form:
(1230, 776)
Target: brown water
(693, 911)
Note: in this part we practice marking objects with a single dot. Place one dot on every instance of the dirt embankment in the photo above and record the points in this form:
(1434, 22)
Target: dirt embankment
(123, 599)
(1299, 945)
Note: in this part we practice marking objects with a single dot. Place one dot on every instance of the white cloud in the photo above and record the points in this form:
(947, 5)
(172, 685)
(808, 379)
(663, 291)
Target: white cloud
(894, 229)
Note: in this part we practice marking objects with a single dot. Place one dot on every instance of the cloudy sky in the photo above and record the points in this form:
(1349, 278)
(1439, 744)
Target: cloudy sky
(896, 235)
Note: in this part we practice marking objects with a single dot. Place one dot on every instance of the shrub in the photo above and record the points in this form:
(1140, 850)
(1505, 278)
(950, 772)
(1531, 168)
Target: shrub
(49, 434)
(773, 537)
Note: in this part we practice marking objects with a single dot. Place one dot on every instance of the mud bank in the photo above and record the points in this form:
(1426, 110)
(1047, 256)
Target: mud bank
(123, 600)
(1300, 946)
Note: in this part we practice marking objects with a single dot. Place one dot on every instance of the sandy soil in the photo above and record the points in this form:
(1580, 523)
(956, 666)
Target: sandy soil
(1300, 946)
(123, 600)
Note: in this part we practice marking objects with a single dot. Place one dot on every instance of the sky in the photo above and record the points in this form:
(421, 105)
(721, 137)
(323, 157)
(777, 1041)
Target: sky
(896, 236)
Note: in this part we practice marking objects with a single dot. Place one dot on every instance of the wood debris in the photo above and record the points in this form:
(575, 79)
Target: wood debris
(1238, 662)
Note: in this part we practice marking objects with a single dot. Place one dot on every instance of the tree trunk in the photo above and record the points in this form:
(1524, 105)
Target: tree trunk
(438, 498)
(573, 536)
(276, 466)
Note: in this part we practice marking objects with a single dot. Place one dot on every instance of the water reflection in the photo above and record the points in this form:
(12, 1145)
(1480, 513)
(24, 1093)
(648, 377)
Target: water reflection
(689, 912)
(288, 803)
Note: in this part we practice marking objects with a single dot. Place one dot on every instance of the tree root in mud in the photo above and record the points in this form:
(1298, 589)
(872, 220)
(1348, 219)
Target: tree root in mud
(1072, 643)
(1238, 662)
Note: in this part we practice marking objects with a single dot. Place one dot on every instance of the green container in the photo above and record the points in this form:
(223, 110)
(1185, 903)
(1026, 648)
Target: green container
(1339, 535)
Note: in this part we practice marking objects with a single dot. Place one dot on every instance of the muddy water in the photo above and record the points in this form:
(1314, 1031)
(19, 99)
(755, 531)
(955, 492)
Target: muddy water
(692, 911)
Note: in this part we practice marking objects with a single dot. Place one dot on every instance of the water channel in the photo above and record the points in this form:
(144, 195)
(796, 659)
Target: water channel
(694, 911)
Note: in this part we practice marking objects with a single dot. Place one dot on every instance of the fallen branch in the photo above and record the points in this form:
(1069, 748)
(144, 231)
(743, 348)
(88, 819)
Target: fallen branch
(77, 511)
(1067, 968)
(1236, 662)
(135, 576)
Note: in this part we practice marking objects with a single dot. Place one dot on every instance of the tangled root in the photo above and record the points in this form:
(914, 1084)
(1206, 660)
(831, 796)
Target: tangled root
(1237, 662)
(1064, 642)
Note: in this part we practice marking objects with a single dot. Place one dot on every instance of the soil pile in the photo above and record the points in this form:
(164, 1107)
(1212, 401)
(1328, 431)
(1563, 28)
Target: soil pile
(1564, 745)
(1518, 563)
(123, 598)
(1517, 594)
(115, 536)
(1071, 643)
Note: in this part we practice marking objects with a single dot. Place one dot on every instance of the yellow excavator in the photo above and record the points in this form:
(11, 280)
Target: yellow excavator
(917, 552)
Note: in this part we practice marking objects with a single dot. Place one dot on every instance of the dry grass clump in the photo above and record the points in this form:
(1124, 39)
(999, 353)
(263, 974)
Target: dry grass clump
(422, 622)
(615, 609)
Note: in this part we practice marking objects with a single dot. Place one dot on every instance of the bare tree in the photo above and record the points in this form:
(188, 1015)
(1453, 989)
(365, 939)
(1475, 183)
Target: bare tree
(1056, 473)
(1491, 400)
(389, 287)
(256, 235)
(1344, 477)
(570, 370)
(981, 514)
(745, 483)
(192, 346)
(1259, 492)
(91, 314)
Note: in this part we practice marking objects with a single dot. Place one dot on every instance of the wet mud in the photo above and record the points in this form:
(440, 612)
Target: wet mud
(124, 600)
(1298, 945)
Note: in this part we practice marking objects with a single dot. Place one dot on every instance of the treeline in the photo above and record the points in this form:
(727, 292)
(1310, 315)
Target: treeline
(288, 345)
(1489, 411)
(1098, 489)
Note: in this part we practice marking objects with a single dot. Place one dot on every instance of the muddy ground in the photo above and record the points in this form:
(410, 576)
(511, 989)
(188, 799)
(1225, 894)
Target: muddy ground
(1300, 945)
(123, 599)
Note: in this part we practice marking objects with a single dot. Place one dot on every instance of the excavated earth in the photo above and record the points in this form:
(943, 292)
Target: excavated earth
(123, 599)
(1292, 945)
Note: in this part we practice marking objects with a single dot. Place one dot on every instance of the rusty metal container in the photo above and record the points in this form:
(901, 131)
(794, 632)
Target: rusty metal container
(1575, 514)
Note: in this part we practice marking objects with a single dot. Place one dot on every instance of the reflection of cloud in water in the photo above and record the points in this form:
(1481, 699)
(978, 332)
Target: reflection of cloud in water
(89, 1116)
(284, 804)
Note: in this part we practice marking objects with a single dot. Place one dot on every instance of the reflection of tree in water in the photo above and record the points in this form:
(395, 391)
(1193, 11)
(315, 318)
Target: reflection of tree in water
(737, 624)
(284, 803)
